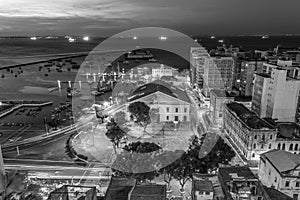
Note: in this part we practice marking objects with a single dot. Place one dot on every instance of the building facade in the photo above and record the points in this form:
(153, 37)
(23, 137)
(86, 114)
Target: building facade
(271, 92)
(218, 73)
(197, 61)
(172, 103)
(280, 169)
(248, 68)
(217, 100)
(251, 134)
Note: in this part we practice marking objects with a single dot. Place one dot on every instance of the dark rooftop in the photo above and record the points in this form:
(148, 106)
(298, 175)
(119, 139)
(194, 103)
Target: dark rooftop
(248, 117)
(288, 130)
(119, 188)
(149, 192)
(234, 173)
(221, 93)
(276, 195)
(265, 75)
(203, 185)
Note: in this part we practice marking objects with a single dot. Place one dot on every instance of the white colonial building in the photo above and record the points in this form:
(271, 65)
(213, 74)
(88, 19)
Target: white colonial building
(173, 104)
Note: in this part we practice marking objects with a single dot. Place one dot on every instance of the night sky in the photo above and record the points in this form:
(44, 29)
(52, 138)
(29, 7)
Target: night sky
(106, 17)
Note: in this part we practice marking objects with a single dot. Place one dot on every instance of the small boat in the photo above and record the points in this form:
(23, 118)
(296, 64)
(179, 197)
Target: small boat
(152, 60)
(265, 37)
(52, 89)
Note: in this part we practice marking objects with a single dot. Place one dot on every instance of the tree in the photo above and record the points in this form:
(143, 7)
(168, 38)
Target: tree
(114, 133)
(120, 117)
(138, 160)
(182, 170)
(140, 112)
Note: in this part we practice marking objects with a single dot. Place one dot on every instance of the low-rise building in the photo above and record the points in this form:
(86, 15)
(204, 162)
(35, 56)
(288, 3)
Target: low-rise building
(239, 183)
(172, 103)
(251, 134)
(280, 169)
(202, 189)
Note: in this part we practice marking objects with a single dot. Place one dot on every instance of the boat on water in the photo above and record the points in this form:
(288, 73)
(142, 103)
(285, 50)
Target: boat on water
(265, 37)
(152, 60)
(52, 89)
(73, 93)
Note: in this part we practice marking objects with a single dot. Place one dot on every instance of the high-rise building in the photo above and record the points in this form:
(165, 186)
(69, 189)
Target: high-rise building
(218, 98)
(248, 68)
(197, 61)
(260, 92)
(218, 73)
(276, 94)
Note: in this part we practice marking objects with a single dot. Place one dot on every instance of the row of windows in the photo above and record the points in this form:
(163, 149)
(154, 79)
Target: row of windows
(261, 146)
(291, 147)
(263, 137)
(176, 109)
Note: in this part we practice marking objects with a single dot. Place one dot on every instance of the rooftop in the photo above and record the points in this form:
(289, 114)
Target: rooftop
(221, 93)
(149, 192)
(283, 161)
(119, 188)
(159, 86)
(248, 117)
(264, 75)
(288, 130)
(235, 173)
(202, 185)
(276, 195)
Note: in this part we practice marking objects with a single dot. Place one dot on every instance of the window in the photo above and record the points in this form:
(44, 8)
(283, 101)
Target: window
(270, 146)
(283, 146)
(262, 146)
(255, 137)
(279, 146)
(253, 155)
(271, 137)
(176, 110)
(295, 196)
(291, 147)
(254, 146)
(287, 184)
(207, 193)
(263, 137)
(185, 110)
(296, 147)
(297, 184)
(275, 180)
(168, 109)
(167, 118)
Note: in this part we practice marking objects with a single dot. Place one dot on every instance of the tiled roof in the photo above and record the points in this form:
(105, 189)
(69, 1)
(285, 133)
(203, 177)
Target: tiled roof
(277, 195)
(148, 192)
(282, 160)
(119, 188)
(230, 173)
(248, 117)
(203, 185)
(159, 86)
